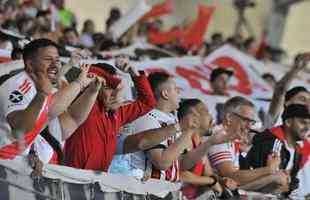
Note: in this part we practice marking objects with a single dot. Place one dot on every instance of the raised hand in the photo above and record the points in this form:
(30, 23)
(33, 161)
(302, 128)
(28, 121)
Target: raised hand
(75, 58)
(124, 65)
(84, 78)
(78, 55)
(301, 60)
(96, 83)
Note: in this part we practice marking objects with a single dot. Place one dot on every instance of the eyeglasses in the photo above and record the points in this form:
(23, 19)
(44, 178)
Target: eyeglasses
(250, 121)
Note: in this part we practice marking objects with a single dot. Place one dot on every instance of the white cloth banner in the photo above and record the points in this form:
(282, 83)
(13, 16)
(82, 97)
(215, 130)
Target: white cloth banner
(192, 75)
(131, 50)
(107, 182)
(246, 80)
(129, 19)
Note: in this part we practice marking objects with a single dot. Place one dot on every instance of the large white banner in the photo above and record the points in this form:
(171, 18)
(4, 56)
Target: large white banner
(246, 79)
(192, 76)
(230, 57)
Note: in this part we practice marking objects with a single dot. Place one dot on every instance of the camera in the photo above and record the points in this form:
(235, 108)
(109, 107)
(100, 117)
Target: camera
(242, 4)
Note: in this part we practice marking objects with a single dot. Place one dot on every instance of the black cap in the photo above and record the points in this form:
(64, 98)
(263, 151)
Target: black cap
(292, 92)
(218, 71)
(296, 110)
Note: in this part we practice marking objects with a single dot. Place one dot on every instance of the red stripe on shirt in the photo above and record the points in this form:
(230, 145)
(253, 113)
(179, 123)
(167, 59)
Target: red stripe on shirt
(27, 90)
(219, 154)
(54, 159)
(222, 158)
(24, 83)
(25, 87)
(10, 151)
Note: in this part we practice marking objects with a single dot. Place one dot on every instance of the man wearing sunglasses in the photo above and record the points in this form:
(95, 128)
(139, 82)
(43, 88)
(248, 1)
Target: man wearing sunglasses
(239, 118)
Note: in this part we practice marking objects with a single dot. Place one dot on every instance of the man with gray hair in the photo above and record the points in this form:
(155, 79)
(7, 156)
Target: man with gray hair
(239, 117)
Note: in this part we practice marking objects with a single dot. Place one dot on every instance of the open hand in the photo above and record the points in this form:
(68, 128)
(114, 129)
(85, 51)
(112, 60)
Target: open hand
(84, 78)
(96, 83)
(301, 60)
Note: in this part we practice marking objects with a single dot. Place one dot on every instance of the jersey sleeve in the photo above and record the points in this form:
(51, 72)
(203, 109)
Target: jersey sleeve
(220, 153)
(16, 94)
(144, 123)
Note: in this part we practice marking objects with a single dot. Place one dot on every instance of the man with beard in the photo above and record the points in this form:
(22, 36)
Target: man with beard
(165, 160)
(35, 117)
(201, 177)
(283, 141)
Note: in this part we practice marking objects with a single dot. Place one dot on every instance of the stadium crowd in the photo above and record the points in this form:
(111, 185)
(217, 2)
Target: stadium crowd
(52, 112)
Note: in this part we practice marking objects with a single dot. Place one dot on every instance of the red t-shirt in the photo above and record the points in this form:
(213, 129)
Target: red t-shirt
(190, 190)
(93, 144)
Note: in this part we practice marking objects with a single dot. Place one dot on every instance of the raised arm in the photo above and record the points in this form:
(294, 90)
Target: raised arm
(145, 100)
(189, 159)
(25, 120)
(64, 97)
(163, 158)
(22, 121)
(283, 85)
(148, 139)
(81, 107)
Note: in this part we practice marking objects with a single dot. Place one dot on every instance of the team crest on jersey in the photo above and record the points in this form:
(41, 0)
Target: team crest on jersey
(16, 96)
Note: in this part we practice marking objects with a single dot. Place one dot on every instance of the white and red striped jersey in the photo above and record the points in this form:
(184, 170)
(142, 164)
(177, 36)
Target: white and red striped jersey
(224, 152)
(139, 162)
(16, 93)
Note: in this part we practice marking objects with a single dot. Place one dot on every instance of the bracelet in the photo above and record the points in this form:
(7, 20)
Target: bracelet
(214, 181)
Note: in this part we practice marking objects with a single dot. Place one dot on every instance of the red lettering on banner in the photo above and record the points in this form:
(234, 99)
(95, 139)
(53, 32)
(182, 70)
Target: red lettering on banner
(193, 77)
(244, 84)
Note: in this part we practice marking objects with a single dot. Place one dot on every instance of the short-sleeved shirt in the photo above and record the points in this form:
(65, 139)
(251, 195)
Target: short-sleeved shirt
(140, 163)
(224, 152)
(121, 162)
(16, 93)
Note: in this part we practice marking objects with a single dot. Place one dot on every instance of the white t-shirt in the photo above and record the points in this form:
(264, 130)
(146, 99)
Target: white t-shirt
(154, 119)
(16, 93)
(223, 152)
(304, 180)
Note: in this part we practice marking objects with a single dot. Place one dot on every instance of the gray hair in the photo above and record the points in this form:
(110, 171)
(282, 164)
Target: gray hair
(233, 104)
